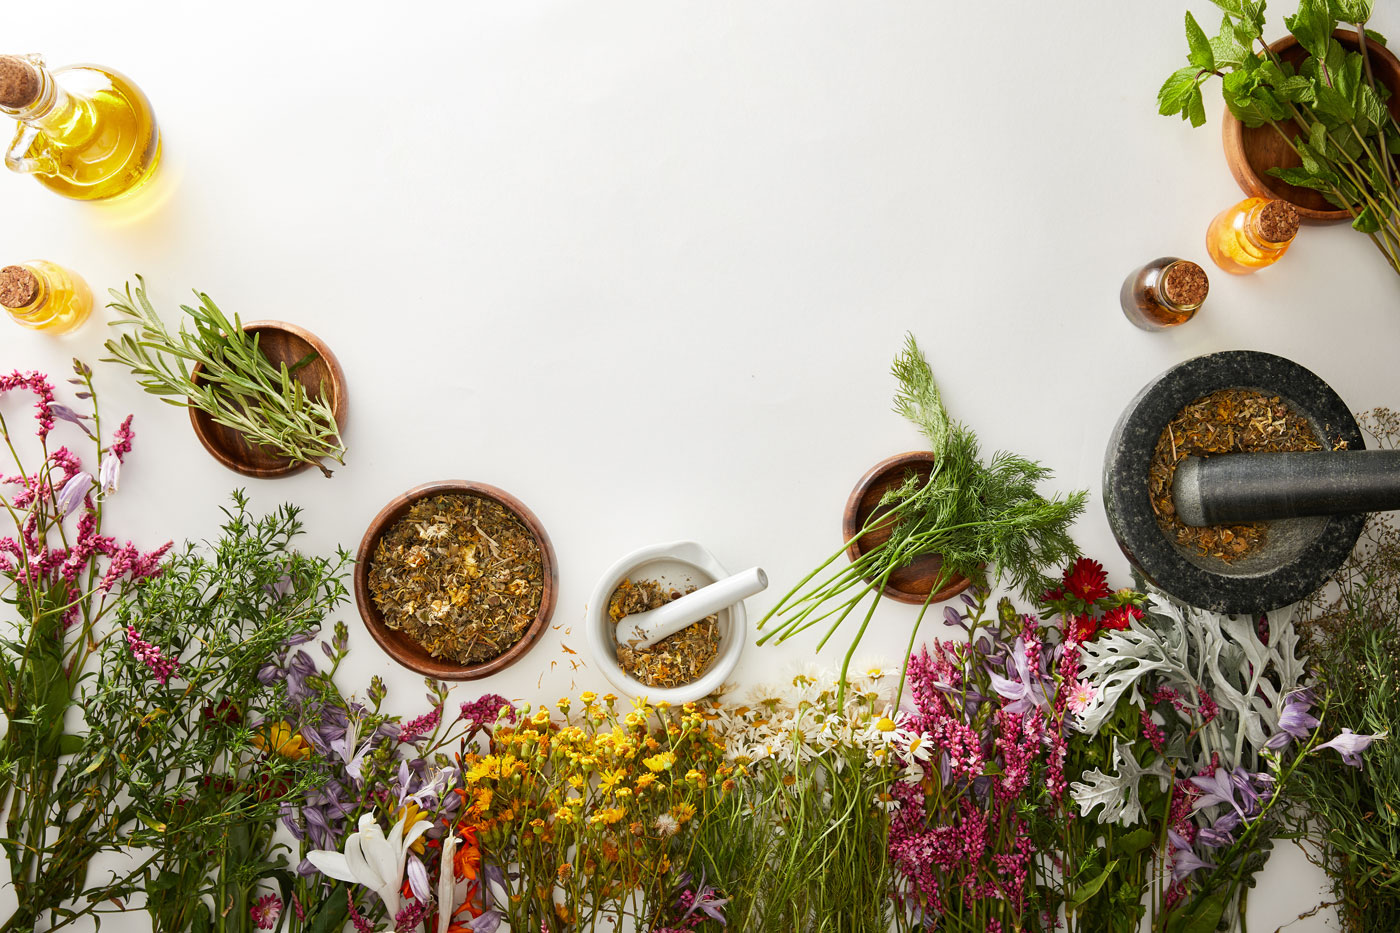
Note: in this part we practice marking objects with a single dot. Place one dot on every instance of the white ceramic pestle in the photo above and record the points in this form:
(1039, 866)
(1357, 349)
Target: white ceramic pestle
(645, 629)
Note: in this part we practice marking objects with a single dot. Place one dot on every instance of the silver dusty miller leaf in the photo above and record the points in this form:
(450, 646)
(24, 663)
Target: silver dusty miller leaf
(1117, 793)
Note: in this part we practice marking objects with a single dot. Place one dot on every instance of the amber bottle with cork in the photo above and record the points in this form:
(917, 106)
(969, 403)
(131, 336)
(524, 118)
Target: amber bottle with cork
(84, 131)
(45, 296)
(1164, 293)
(1251, 235)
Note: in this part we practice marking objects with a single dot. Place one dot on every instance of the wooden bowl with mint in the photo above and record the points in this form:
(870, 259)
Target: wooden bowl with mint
(456, 580)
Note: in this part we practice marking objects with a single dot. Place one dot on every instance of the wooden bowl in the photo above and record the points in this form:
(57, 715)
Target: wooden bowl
(286, 343)
(1252, 152)
(404, 649)
(909, 584)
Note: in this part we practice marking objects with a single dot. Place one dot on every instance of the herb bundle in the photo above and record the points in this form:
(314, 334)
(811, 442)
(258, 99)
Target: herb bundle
(210, 750)
(1331, 110)
(972, 514)
(237, 386)
(1350, 819)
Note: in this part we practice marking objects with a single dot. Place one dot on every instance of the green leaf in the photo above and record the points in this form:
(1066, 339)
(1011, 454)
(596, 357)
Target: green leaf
(1312, 25)
(1366, 221)
(1227, 50)
(1090, 888)
(1195, 108)
(70, 745)
(1176, 91)
(1199, 53)
(1135, 841)
(1205, 916)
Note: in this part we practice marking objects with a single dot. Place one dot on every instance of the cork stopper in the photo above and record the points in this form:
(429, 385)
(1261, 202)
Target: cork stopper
(1185, 284)
(18, 287)
(19, 82)
(1278, 222)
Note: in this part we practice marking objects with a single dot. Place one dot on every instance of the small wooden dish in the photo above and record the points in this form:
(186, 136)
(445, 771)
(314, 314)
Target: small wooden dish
(1251, 152)
(286, 343)
(408, 652)
(909, 584)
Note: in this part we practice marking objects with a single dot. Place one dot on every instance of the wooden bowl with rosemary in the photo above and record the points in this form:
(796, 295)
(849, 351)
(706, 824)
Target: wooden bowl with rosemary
(319, 372)
(456, 580)
(911, 583)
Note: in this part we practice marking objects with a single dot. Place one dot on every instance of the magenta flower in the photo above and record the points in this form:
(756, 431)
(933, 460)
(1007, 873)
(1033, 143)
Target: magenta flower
(161, 667)
(417, 728)
(265, 911)
(1351, 744)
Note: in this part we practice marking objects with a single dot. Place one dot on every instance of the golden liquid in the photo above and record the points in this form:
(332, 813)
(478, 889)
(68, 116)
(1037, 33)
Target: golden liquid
(102, 139)
(64, 301)
(1233, 248)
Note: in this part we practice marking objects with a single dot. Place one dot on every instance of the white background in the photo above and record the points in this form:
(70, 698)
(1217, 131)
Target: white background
(645, 264)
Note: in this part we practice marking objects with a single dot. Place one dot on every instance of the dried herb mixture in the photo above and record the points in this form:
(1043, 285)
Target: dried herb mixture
(1228, 421)
(461, 575)
(675, 660)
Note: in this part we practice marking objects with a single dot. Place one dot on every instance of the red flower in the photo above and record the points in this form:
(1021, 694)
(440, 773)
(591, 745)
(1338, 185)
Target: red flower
(1088, 580)
(1080, 629)
(1117, 619)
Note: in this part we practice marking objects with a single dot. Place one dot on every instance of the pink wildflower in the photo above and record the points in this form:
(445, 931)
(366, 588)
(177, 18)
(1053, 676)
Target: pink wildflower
(161, 667)
(1154, 732)
(417, 728)
(1081, 694)
(265, 911)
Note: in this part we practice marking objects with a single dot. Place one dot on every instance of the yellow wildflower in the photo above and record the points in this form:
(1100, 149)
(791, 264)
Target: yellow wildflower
(409, 814)
(282, 739)
(607, 780)
(682, 812)
(660, 762)
(588, 696)
(645, 781)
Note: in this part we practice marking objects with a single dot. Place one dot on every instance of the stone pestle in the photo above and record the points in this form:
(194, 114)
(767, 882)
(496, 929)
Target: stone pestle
(1234, 488)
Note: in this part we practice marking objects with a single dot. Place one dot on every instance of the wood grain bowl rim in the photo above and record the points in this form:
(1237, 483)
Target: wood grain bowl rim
(402, 648)
(850, 526)
(1232, 134)
(204, 425)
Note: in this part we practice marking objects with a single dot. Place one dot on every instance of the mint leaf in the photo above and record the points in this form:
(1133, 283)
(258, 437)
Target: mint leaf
(1195, 108)
(1312, 25)
(1372, 34)
(1199, 53)
(1176, 91)
(1353, 11)
(1226, 48)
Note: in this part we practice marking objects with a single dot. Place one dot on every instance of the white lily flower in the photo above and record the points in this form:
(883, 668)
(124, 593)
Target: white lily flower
(371, 859)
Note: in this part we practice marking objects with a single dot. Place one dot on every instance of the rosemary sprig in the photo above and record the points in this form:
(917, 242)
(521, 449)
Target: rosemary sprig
(238, 386)
(973, 514)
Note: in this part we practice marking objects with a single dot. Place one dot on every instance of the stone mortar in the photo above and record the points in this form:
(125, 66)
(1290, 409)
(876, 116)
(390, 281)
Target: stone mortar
(1298, 555)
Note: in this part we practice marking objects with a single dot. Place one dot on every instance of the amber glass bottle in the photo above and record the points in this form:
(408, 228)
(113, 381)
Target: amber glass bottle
(84, 131)
(45, 296)
(1164, 293)
(1251, 235)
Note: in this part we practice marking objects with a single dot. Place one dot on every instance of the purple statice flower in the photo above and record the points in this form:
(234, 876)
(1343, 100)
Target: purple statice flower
(1294, 722)
(161, 667)
(1027, 691)
(1350, 745)
(486, 709)
(1184, 860)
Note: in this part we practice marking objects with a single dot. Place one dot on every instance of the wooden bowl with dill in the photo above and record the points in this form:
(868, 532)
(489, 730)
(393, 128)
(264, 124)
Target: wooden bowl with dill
(456, 580)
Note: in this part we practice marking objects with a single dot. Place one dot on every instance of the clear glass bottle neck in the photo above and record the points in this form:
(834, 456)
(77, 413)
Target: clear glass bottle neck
(1156, 281)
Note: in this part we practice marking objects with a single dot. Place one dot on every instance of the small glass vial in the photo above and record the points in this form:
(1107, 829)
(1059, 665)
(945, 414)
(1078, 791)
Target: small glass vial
(1164, 293)
(44, 296)
(1251, 235)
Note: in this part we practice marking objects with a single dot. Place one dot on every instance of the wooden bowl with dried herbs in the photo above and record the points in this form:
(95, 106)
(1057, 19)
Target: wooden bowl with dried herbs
(456, 580)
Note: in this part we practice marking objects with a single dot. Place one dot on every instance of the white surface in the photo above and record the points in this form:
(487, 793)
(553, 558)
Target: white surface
(645, 264)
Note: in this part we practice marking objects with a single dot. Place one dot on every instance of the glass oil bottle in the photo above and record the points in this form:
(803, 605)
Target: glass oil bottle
(86, 132)
(1164, 293)
(45, 296)
(1251, 235)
